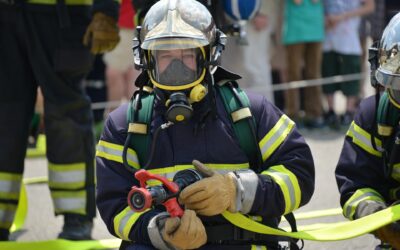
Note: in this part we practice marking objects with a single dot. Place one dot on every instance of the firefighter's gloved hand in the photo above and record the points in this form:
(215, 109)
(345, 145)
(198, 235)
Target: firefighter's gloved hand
(389, 233)
(102, 34)
(187, 232)
(212, 195)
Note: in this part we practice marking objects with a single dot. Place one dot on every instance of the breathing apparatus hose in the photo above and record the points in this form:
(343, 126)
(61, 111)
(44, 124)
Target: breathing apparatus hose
(153, 143)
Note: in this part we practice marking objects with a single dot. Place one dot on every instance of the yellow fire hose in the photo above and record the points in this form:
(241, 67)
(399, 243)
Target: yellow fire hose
(315, 232)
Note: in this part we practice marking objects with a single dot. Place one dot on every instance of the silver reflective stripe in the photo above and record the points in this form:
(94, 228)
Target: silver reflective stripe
(278, 132)
(10, 188)
(70, 204)
(117, 153)
(124, 221)
(364, 138)
(289, 186)
(353, 204)
(67, 176)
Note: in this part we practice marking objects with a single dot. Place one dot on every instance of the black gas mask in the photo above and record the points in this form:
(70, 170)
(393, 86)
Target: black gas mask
(178, 75)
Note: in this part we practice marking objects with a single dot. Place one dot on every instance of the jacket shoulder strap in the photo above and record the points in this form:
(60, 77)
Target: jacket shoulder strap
(237, 104)
(139, 117)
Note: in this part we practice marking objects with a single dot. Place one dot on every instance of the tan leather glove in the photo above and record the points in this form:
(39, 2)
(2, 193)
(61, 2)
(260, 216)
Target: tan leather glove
(390, 234)
(101, 34)
(211, 195)
(187, 232)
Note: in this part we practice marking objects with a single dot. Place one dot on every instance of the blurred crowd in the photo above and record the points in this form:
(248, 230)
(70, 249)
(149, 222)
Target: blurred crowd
(285, 41)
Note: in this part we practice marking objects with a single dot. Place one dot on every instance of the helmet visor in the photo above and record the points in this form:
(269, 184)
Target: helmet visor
(388, 79)
(177, 69)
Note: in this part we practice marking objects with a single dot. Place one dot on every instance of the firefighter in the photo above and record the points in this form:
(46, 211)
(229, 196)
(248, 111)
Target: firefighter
(189, 122)
(368, 170)
(41, 45)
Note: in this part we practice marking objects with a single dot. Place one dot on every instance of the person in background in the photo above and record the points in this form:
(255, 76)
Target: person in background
(278, 53)
(120, 72)
(96, 89)
(252, 61)
(367, 173)
(41, 44)
(342, 52)
(371, 27)
(303, 33)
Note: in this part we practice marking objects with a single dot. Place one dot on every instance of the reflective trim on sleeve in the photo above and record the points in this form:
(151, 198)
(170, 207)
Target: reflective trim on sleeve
(362, 138)
(113, 152)
(67, 176)
(363, 194)
(69, 201)
(289, 185)
(275, 136)
(124, 221)
(7, 214)
(10, 186)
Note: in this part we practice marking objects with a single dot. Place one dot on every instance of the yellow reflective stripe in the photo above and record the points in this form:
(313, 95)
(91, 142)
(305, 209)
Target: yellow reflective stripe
(275, 136)
(69, 201)
(67, 176)
(362, 139)
(169, 172)
(289, 185)
(113, 152)
(349, 208)
(10, 185)
(21, 212)
(396, 172)
(61, 244)
(257, 247)
(67, 2)
(124, 221)
(7, 213)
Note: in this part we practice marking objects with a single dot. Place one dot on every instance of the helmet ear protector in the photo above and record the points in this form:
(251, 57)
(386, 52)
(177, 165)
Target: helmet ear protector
(373, 59)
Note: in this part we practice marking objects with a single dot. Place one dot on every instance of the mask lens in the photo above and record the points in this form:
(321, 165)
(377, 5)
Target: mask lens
(178, 67)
